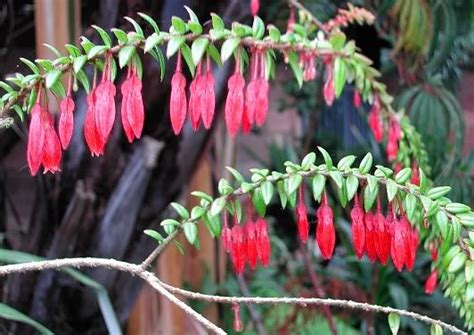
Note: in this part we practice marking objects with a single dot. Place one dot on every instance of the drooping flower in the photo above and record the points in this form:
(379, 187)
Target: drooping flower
(308, 66)
(431, 282)
(254, 7)
(234, 105)
(302, 217)
(91, 133)
(412, 238)
(52, 153)
(375, 121)
(248, 116)
(178, 101)
(238, 325)
(34, 151)
(261, 110)
(325, 231)
(328, 90)
(226, 236)
(370, 236)
(398, 244)
(357, 100)
(66, 121)
(394, 135)
(105, 105)
(132, 110)
(239, 249)
(208, 99)
(382, 234)
(263, 242)
(415, 174)
(358, 228)
(251, 238)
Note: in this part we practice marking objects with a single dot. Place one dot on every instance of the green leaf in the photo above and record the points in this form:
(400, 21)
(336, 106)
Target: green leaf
(78, 63)
(294, 181)
(9, 313)
(214, 53)
(410, 206)
(81, 76)
(103, 35)
(197, 212)
(31, 65)
(308, 160)
(402, 176)
(96, 50)
(73, 50)
(170, 222)
(327, 158)
(52, 77)
(154, 234)
(394, 323)
(352, 184)
(179, 25)
(392, 189)
(346, 162)
(198, 49)
(53, 49)
(317, 185)
(457, 262)
(257, 200)
(174, 44)
(274, 33)
(339, 75)
(192, 16)
(258, 28)
(438, 192)
(121, 36)
(469, 271)
(293, 60)
(342, 194)
(158, 56)
(370, 195)
(237, 175)
(195, 28)
(181, 210)
(217, 206)
(436, 330)
(442, 223)
(217, 23)
(336, 176)
(190, 231)
(457, 208)
(213, 224)
(135, 25)
(267, 192)
(125, 54)
(337, 41)
(282, 193)
(186, 52)
(152, 41)
(151, 22)
(228, 47)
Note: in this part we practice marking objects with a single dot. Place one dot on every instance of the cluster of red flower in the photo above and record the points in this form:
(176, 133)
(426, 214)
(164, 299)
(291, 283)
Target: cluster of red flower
(44, 145)
(247, 243)
(432, 280)
(254, 108)
(384, 236)
(325, 231)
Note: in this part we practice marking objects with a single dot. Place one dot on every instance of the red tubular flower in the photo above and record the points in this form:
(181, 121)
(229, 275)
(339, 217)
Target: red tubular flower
(358, 228)
(261, 107)
(397, 168)
(412, 238)
(415, 174)
(234, 105)
(370, 236)
(238, 325)
(431, 282)
(254, 7)
(325, 232)
(208, 99)
(91, 133)
(239, 252)
(52, 147)
(302, 217)
(394, 134)
(398, 244)
(251, 238)
(263, 242)
(375, 122)
(66, 121)
(382, 235)
(248, 117)
(328, 90)
(178, 102)
(357, 100)
(226, 236)
(34, 151)
(132, 110)
(195, 92)
(105, 105)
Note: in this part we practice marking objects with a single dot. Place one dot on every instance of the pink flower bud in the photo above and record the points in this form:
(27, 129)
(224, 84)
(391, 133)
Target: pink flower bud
(302, 217)
(34, 151)
(178, 101)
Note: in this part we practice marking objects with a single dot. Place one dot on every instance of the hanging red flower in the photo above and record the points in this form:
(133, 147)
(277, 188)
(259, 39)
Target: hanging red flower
(375, 121)
(66, 121)
(178, 102)
(132, 110)
(325, 231)
(51, 158)
(34, 152)
(263, 242)
(234, 105)
(302, 217)
(431, 282)
(358, 228)
(239, 252)
(91, 133)
(370, 236)
(105, 104)
(251, 238)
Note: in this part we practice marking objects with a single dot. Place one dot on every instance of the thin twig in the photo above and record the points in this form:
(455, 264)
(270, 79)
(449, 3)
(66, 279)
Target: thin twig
(155, 253)
(168, 291)
(313, 18)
